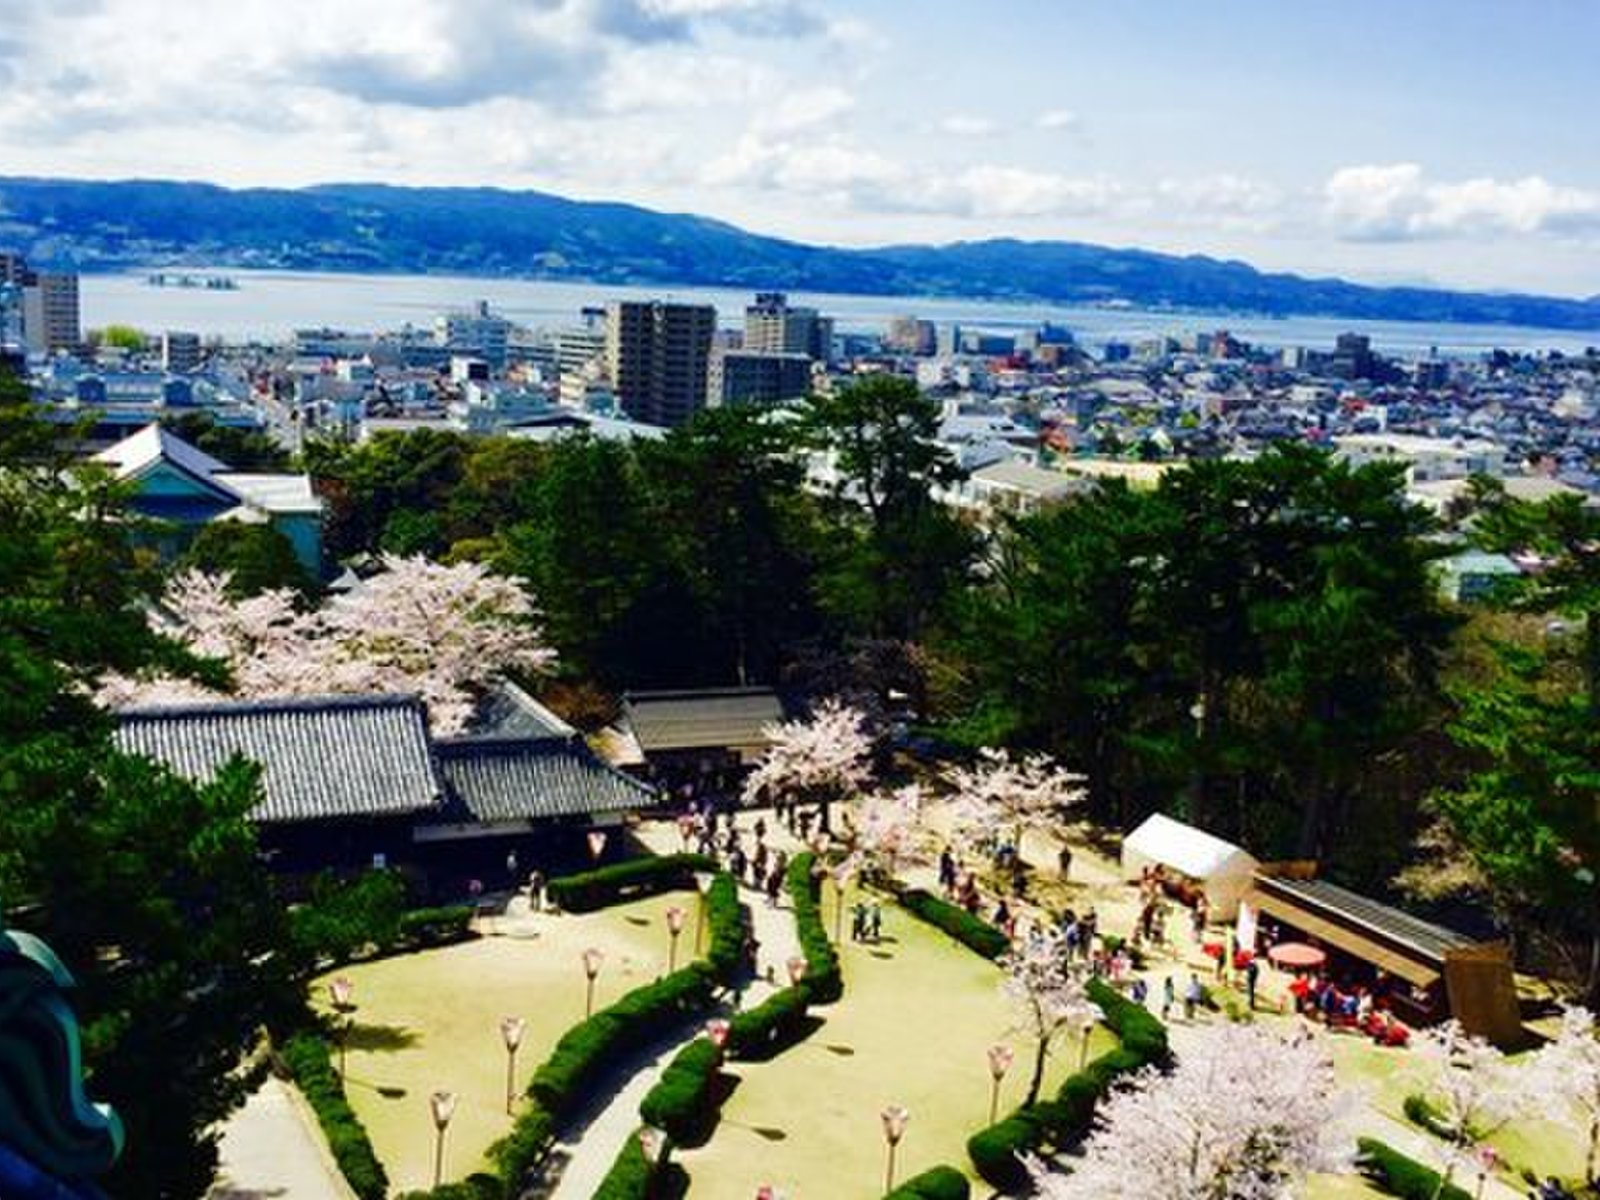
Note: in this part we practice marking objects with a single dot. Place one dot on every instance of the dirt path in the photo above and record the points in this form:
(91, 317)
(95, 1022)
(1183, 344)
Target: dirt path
(273, 1148)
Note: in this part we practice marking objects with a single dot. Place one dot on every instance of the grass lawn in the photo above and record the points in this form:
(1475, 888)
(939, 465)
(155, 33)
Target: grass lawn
(432, 1020)
(919, 1011)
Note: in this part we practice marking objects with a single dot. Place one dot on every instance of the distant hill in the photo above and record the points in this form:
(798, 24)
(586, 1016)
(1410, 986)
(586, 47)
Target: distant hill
(490, 232)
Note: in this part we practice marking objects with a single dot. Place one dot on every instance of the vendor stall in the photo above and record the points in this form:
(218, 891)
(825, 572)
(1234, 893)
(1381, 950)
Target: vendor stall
(1220, 870)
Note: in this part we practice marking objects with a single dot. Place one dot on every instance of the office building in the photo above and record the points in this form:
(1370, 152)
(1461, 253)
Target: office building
(476, 331)
(773, 326)
(658, 358)
(743, 377)
(907, 335)
(180, 352)
(576, 347)
(50, 312)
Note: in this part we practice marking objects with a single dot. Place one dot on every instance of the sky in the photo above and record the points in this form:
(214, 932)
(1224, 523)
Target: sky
(1448, 142)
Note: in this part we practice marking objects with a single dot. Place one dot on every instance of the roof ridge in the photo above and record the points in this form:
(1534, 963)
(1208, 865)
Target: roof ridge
(263, 704)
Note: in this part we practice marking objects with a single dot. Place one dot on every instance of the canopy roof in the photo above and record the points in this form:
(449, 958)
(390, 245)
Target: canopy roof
(1196, 853)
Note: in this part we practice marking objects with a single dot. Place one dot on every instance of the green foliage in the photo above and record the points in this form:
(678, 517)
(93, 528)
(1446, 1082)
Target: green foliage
(343, 918)
(421, 928)
(726, 950)
(1291, 596)
(632, 1178)
(1397, 1175)
(605, 886)
(309, 1062)
(686, 1099)
(892, 571)
(1420, 1112)
(756, 1034)
(393, 477)
(123, 337)
(973, 932)
(241, 449)
(823, 982)
(937, 1183)
(518, 1154)
(257, 558)
(479, 1186)
(1068, 1117)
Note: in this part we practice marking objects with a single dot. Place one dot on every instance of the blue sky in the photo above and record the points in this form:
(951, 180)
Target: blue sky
(1414, 140)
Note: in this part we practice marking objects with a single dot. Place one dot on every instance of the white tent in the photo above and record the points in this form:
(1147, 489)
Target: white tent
(1221, 868)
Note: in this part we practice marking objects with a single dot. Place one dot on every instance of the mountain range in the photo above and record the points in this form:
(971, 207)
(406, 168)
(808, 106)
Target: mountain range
(92, 225)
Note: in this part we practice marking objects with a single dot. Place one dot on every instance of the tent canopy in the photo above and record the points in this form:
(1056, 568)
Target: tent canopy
(1223, 868)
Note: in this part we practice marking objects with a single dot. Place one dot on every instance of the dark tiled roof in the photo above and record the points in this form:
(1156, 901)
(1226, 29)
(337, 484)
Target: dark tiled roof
(699, 720)
(499, 779)
(322, 757)
(509, 712)
(1333, 902)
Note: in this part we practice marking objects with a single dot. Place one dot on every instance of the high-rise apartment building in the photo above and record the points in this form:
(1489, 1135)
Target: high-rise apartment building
(50, 312)
(180, 352)
(772, 326)
(658, 358)
(908, 335)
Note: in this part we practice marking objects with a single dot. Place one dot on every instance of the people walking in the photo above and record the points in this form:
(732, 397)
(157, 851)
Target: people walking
(1169, 995)
(1193, 994)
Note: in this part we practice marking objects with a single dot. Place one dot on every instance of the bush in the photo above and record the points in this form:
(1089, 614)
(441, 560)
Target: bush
(473, 1187)
(684, 1102)
(773, 1025)
(519, 1153)
(308, 1061)
(1394, 1173)
(589, 890)
(347, 917)
(424, 927)
(630, 1177)
(1069, 1116)
(973, 932)
(823, 982)
(726, 950)
(940, 1183)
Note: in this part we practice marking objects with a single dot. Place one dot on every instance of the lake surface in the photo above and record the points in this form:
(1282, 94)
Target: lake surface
(270, 305)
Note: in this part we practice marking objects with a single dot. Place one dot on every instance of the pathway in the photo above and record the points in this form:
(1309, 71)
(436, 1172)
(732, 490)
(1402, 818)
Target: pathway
(273, 1148)
(589, 1152)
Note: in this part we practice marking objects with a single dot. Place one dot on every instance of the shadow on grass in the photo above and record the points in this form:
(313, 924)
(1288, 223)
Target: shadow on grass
(379, 1039)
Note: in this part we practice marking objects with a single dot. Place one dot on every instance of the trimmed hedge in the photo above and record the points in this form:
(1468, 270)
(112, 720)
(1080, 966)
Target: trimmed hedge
(823, 982)
(592, 1047)
(1068, 1117)
(972, 932)
(474, 1187)
(589, 890)
(425, 927)
(773, 1025)
(309, 1062)
(630, 1177)
(1394, 1173)
(940, 1183)
(683, 1101)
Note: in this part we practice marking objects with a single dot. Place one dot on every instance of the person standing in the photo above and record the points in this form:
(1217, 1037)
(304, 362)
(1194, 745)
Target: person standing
(1252, 972)
(947, 871)
(1169, 996)
(1193, 994)
(1064, 861)
(875, 921)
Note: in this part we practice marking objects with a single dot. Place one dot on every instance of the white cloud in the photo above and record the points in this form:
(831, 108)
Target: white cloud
(1058, 118)
(966, 125)
(1397, 202)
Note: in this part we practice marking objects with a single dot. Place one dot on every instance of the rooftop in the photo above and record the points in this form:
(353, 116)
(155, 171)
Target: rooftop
(711, 718)
(502, 779)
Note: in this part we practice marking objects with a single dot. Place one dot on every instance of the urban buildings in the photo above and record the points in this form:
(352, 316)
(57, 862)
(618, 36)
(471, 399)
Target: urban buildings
(476, 331)
(658, 357)
(743, 377)
(180, 352)
(49, 307)
(772, 326)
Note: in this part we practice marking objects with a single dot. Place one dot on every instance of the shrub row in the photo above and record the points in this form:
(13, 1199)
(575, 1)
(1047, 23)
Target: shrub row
(308, 1061)
(1068, 1117)
(589, 890)
(823, 982)
(684, 1101)
(631, 1177)
(940, 1183)
(422, 928)
(478, 1186)
(972, 932)
(592, 1047)
(1394, 1173)
(773, 1025)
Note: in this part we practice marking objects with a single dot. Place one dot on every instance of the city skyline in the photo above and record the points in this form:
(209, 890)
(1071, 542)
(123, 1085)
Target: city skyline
(1423, 145)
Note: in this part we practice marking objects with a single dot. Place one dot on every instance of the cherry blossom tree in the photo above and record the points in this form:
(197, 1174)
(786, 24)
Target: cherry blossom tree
(1003, 795)
(1568, 1069)
(826, 758)
(443, 633)
(1048, 994)
(1245, 1114)
(883, 831)
(1472, 1089)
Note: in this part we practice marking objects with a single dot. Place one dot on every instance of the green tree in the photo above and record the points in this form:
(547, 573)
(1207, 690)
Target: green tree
(147, 886)
(241, 449)
(124, 337)
(895, 568)
(727, 493)
(403, 478)
(257, 558)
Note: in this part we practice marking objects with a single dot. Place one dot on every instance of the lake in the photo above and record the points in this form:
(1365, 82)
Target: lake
(270, 305)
